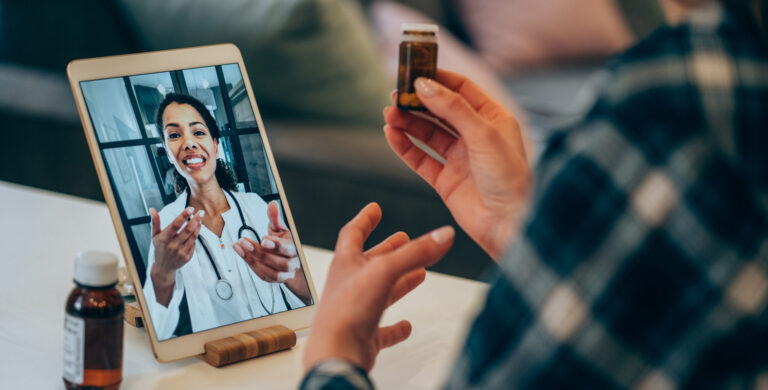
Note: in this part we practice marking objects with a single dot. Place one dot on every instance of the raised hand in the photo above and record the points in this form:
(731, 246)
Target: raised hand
(174, 247)
(276, 259)
(486, 180)
(361, 285)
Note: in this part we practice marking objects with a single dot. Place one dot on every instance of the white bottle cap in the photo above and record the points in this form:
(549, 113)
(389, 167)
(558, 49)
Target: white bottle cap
(95, 268)
(419, 27)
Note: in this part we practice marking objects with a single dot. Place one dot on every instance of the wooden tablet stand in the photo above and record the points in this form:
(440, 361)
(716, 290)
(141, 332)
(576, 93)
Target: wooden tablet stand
(133, 315)
(235, 348)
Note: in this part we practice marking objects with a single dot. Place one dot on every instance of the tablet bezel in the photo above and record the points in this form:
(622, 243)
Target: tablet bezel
(171, 60)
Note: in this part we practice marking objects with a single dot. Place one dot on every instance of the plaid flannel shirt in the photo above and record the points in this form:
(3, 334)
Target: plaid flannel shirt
(644, 260)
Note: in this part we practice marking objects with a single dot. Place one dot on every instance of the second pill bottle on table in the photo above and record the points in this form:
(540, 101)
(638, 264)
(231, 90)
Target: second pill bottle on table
(418, 58)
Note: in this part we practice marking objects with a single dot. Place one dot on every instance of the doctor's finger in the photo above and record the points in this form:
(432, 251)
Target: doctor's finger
(418, 253)
(355, 232)
(273, 214)
(192, 226)
(189, 250)
(275, 262)
(406, 284)
(265, 273)
(177, 223)
(391, 243)
(254, 254)
(279, 246)
(155, 221)
(190, 237)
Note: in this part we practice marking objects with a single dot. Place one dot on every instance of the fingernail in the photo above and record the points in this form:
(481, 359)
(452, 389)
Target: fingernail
(238, 250)
(190, 210)
(247, 245)
(442, 235)
(201, 213)
(425, 87)
(268, 244)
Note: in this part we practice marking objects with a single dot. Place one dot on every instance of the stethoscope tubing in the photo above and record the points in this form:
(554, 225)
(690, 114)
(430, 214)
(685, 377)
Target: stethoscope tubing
(243, 227)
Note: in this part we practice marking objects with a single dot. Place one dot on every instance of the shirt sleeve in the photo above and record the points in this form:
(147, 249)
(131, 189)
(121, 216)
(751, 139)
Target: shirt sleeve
(336, 374)
(164, 319)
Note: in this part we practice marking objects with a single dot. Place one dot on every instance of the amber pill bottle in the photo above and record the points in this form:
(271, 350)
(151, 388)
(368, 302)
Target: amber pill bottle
(418, 58)
(93, 325)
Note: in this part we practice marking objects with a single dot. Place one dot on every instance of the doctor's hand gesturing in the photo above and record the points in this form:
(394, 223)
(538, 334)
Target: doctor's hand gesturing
(361, 285)
(485, 180)
(275, 259)
(174, 247)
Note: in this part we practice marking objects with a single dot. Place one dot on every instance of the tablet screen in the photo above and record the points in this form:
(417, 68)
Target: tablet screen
(185, 139)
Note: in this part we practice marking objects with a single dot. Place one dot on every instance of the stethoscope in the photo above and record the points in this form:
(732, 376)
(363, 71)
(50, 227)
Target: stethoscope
(223, 287)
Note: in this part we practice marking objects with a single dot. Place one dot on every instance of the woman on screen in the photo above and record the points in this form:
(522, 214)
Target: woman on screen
(223, 255)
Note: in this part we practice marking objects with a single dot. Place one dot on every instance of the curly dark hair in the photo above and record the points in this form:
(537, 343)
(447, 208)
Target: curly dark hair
(224, 174)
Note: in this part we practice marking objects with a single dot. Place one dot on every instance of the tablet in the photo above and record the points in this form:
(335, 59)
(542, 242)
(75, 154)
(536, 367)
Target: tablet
(200, 213)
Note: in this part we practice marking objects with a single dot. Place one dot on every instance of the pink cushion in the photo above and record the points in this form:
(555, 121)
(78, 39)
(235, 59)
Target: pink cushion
(515, 34)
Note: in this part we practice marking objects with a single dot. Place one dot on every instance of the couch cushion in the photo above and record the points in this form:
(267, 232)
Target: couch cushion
(313, 58)
(514, 34)
(49, 33)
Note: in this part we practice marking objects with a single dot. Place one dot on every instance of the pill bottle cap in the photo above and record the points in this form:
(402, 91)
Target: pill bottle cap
(415, 27)
(96, 268)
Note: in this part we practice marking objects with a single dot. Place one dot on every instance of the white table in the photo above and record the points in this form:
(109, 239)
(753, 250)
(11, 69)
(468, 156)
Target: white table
(40, 232)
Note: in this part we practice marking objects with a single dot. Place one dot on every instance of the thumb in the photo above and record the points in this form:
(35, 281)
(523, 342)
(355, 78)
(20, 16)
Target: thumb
(449, 106)
(155, 222)
(273, 213)
(421, 252)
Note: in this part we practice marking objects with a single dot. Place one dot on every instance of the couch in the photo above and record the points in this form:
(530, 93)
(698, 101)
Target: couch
(330, 165)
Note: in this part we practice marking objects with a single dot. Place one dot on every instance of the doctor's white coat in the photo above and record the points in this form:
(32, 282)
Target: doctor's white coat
(252, 297)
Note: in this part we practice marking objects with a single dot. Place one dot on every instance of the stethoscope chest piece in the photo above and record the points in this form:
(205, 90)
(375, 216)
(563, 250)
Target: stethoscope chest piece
(223, 289)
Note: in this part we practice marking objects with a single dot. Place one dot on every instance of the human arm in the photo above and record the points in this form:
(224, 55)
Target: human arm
(164, 318)
(485, 180)
(173, 247)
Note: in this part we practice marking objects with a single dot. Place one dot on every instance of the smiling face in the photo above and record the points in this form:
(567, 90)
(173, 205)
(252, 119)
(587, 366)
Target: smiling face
(189, 143)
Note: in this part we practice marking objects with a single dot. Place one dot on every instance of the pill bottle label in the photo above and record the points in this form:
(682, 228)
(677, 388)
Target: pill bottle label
(74, 348)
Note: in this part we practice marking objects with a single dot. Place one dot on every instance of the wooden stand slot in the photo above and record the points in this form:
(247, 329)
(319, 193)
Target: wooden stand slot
(248, 345)
(235, 348)
(133, 315)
